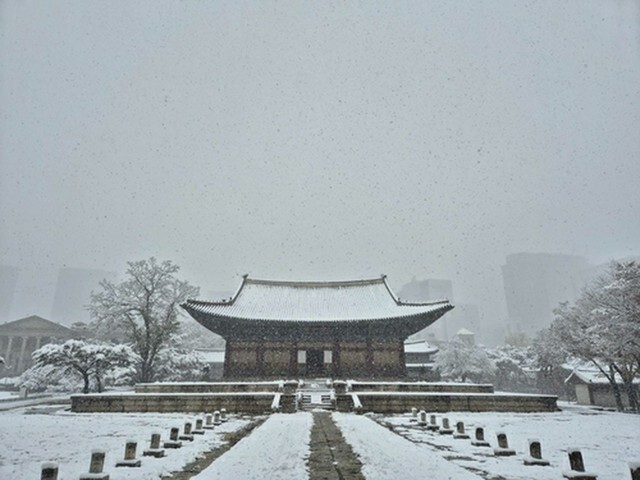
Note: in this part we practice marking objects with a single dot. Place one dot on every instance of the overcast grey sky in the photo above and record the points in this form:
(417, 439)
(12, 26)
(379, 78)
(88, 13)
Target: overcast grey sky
(317, 140)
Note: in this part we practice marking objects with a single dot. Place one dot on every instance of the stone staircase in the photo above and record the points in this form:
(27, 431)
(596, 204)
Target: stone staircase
(316, 396)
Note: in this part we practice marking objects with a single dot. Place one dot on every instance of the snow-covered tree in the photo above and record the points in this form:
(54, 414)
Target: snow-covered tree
(603, 327)
(179, 365)
(145, 306)
(88, 360)
(513, 366)
(460, 360)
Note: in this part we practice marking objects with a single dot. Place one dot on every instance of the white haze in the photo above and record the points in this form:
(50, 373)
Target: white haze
(316, 140)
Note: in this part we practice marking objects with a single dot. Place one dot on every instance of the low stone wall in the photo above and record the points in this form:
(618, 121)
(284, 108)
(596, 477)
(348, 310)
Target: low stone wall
(207, 387)
(390, 402)
(256, 402)
(420, 387)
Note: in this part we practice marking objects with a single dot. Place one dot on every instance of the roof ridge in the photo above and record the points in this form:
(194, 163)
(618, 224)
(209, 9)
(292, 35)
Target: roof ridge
(314, 283)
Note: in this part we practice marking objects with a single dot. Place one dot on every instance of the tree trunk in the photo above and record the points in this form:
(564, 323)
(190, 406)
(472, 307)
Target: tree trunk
(85, 377)
(616, 388)
(632, 394)
(611, 376)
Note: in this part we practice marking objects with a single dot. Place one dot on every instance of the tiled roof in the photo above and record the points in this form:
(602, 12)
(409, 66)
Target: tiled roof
(314, 302)
(421, 346)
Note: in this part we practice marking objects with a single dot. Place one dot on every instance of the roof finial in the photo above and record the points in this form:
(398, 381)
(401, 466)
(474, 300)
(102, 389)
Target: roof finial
(245, 276)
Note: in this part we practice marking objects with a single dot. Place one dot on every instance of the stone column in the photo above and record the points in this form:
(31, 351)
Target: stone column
(7, 355)
(22, 350)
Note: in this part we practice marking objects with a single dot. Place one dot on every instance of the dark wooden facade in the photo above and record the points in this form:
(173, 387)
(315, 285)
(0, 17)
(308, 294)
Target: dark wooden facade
(326, 346)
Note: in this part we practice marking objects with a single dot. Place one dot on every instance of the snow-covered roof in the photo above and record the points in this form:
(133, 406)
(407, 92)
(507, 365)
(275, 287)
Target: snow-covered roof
(464, 331)
(211, 356)
(421, 346)
(591, 376)
(314, 301)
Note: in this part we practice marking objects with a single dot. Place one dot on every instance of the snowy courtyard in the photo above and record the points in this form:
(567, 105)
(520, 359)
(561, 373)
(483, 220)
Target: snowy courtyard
(387, 446)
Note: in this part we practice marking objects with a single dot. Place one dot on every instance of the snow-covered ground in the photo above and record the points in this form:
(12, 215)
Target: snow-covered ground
(608, 441)
(31, 436)
(278, 449)
(385, 455)
(8, 395)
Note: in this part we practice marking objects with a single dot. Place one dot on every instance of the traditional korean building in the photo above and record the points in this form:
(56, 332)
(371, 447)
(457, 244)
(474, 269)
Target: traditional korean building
(339, 329)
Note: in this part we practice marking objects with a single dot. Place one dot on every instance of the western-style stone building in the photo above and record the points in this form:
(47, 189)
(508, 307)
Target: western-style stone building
(341, 329)
(20, 338)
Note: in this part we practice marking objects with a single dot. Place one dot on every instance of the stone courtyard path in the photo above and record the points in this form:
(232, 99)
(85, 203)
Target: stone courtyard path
(332, 458)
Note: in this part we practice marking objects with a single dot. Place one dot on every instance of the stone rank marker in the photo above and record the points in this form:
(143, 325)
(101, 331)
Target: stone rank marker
(445, 429)
(433, 424)
(480, 441)
(576, 463)
(208, 422)
(154, 447)
(173, 439)
(49, 471)
(422, 418)
(460, 433)
(414, 414)
(223, 415)
(130, 459)
(198, 430)
(95, 467)
(216, 418)
(186, 434)
(503, 450)
(535, 454)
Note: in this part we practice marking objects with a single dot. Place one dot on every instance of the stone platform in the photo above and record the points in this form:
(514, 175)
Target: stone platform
(399, 402)
(286, 396)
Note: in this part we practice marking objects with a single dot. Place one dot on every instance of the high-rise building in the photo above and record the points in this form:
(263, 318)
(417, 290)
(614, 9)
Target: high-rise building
(536, 283)
(8, 282)
(430, 290)
(73, 293)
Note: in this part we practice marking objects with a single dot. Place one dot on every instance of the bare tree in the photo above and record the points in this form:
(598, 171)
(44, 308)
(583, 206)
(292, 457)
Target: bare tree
(145, 306)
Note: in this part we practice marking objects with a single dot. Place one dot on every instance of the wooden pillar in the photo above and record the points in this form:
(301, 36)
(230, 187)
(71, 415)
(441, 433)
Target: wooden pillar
(226, 368)
(403, 361)
(293, 361)
(260, 358)
(337, 367)
(369, 367)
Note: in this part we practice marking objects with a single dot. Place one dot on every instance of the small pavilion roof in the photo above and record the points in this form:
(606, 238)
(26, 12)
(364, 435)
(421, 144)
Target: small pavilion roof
(353, 300)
